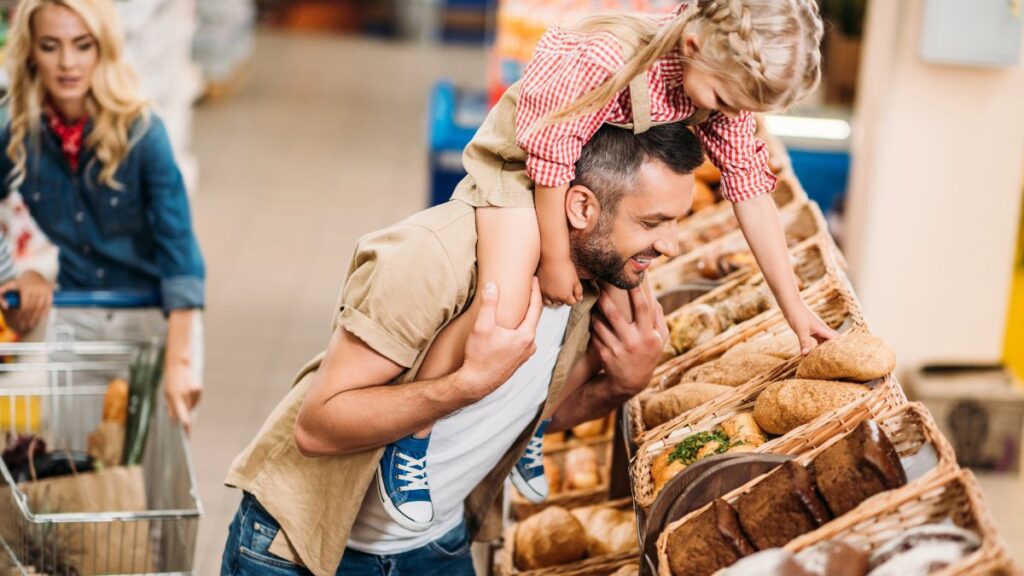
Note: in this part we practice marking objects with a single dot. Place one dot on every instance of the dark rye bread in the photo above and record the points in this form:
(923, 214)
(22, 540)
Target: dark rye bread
(781, 507)
(707, 542)
(857, 467)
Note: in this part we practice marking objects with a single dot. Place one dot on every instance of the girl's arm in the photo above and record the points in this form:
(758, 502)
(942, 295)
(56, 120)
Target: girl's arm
(760, 223)
(557, 274)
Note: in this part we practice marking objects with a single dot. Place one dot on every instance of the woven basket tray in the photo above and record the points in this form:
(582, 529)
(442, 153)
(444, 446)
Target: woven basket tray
(800, 221)
(813, 261)
(885, 396)
(953, 495)
(521, 508)
(909, 427)
(598, 566)
(716, 221)
(830, 299)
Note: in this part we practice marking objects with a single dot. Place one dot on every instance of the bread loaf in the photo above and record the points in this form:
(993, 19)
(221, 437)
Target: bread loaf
(732, 370)
(781, 507)
(591, 428)
(855, 356)
(786, 404)
(708, 541)
(581, 469)
(662, 470)
(553, 474)
(862, 464)
(668, 404)
(784, 345)
(742, 430)
(609, 531)
(693, 327)
(551, 537)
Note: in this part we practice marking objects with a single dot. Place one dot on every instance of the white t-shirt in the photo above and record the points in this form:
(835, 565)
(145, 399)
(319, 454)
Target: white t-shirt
(466, 445)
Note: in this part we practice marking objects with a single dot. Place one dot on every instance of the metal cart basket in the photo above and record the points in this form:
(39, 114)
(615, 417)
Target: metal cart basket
(55, 390)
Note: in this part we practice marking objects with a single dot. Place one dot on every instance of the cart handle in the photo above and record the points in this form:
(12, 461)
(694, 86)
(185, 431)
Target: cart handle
(95, 299)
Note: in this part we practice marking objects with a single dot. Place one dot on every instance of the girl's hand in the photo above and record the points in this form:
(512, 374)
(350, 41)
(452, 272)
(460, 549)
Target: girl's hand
(559, 283)
(36, 298)
(809, 329)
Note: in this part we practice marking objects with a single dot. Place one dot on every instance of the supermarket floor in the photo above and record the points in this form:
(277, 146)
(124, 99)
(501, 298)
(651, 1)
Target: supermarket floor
(326, 142)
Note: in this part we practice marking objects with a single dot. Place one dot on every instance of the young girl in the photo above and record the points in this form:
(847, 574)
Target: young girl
(97, 173)
(712, 63)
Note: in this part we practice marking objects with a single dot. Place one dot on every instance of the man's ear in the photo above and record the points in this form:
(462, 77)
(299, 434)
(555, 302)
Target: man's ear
(581, 207)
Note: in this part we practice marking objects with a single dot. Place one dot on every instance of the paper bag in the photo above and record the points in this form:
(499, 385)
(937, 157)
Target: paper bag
(84, 548)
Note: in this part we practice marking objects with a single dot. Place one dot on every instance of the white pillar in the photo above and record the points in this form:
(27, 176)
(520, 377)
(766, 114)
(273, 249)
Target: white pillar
(935, 194)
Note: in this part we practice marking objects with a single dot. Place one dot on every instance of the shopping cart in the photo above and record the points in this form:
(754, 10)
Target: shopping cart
(55, 390)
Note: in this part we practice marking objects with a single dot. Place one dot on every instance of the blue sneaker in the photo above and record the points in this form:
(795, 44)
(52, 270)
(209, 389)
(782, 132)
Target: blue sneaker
(528, 475)
(402, 483)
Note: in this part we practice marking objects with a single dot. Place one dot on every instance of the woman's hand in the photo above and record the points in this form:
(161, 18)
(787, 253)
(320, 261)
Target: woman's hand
(182, 391)
(559, 283)
(36, 295)
(809, 329)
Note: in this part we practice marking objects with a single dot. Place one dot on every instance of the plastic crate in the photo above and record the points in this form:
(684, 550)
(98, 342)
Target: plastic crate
(455, 115)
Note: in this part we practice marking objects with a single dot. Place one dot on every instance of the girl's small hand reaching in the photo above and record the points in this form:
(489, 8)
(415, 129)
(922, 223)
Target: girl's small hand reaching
(559, 283)
(809, 329)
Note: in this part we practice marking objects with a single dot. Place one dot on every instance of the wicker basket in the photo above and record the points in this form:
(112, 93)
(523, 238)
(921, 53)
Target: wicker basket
(909, 427)
(560, 440)
(887, 395)
(598, 566)
(953, 495)
(801, 221)
(716, 221)
(521, 508)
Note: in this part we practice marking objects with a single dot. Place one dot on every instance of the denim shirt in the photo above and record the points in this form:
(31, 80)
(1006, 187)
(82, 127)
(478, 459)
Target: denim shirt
(138, 238)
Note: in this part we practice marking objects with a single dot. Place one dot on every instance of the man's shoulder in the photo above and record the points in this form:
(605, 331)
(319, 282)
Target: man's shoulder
(447, 230)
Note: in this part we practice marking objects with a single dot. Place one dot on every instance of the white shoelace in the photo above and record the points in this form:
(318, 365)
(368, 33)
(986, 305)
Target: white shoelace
(416, 473)
(535, 453)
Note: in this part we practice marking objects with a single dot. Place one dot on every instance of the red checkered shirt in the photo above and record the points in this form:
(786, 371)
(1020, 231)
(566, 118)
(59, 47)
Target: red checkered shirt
(566, 65)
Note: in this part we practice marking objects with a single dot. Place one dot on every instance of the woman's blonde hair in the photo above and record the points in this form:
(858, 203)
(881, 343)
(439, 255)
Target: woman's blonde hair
(113, 102)
(767, 51)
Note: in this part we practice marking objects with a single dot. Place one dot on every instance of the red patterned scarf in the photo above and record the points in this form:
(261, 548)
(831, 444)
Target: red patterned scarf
(70, 136)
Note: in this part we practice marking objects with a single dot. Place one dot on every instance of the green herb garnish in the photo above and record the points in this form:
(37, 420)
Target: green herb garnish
(686, 451)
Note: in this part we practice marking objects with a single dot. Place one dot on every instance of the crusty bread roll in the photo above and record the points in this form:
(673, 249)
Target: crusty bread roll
(732, 370)
(662, 470)
(551, 537)
(591, 428)
(742, 430)
(666, 405)
(609, 531)
(786, 404)
(581, 469)
(784, 345)
(856, 357)
(693, 327)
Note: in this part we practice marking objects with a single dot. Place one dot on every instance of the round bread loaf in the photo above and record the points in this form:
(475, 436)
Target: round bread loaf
(732, 370)
(551, 537)
(855, 357)
(786, 404)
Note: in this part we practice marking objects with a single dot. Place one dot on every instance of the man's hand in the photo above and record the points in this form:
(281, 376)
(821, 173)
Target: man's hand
(629, 351)
(494, 353)
(182, 391)
(36, 298)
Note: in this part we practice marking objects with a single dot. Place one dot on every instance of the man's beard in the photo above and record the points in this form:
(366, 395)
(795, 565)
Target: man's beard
(594, 253)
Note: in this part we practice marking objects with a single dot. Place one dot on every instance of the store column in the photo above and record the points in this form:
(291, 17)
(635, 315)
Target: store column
(935, 194)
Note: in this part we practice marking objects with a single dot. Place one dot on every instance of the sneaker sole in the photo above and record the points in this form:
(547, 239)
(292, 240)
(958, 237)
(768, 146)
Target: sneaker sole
(527, 491)
(396, 514)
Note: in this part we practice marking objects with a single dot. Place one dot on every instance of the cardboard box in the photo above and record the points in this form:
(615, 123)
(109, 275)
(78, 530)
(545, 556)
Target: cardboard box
(979, 408)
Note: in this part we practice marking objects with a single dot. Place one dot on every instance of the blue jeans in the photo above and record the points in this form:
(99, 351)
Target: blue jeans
(253, 529)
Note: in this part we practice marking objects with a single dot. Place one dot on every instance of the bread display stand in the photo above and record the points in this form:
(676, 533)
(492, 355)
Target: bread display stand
(909, 427)
(953, 497)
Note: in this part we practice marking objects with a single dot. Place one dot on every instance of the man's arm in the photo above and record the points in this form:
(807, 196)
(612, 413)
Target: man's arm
(351, 405)
(626, 345)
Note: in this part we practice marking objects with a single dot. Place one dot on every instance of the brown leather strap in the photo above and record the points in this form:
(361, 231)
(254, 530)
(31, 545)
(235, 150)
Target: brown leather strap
(640, 101)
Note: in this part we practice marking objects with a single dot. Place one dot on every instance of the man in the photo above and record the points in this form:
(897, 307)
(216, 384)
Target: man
(309, 503)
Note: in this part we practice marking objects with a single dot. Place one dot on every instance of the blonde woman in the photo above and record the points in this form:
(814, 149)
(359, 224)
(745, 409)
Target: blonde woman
(711, 64)
(96, 170)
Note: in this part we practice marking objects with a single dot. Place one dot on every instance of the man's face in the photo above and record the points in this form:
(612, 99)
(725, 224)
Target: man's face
(619, 247)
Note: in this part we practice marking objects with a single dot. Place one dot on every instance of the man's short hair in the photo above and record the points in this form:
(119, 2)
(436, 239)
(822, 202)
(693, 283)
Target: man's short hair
(609, 162)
